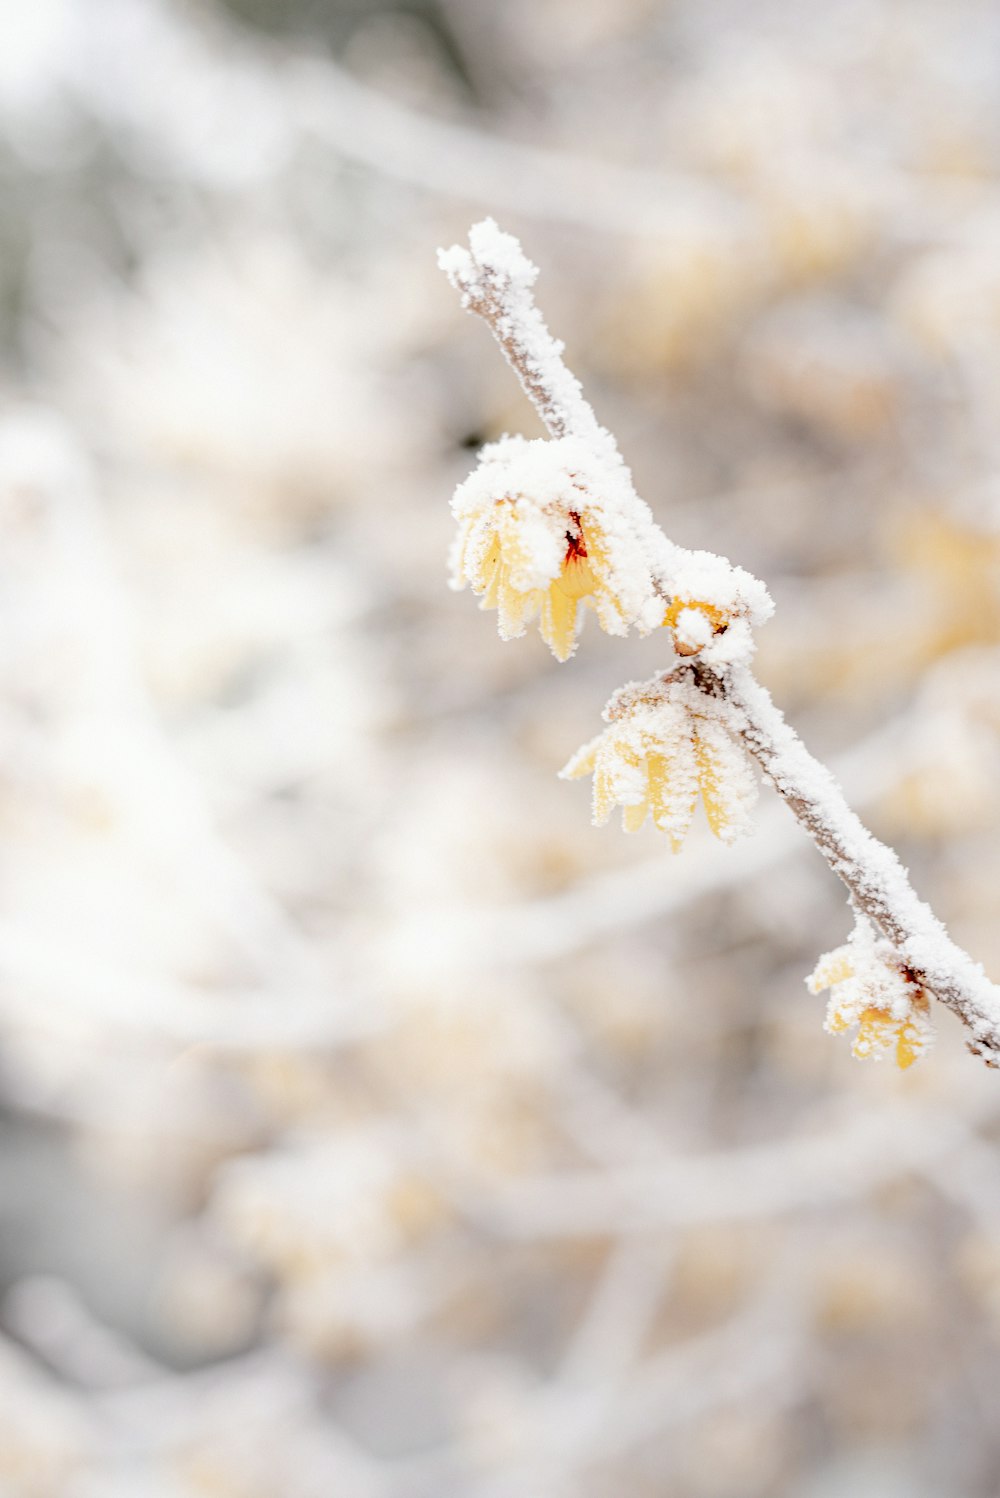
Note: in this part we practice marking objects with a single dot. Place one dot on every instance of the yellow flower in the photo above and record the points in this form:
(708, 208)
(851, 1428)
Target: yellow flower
(871, 988)
(499, 557)
(548, 528)
(665, 743)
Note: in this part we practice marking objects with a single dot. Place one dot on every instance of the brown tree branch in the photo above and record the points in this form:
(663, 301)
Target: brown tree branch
(496, 285)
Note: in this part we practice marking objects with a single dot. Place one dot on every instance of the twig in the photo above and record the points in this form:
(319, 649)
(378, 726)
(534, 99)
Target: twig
(845, 1162)
(496, 281)
(501, 294)
(446, 156)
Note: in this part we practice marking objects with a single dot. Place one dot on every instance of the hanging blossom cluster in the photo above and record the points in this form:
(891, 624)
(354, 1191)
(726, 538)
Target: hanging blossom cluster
(874, 993)
(666, 743)
(551, 528)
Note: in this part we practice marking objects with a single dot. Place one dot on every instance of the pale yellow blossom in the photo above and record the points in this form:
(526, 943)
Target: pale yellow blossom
(665, 745)
(495, 557)
(872, 989)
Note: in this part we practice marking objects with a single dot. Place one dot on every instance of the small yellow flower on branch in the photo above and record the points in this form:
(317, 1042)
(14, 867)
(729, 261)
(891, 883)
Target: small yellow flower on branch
(493, 555)
(543, 533)
(665, 743)
(873, 989)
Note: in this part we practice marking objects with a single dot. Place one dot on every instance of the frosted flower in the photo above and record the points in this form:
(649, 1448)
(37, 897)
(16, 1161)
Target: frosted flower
(494, 555)
(666, 742)
(547, 528)
(712, 606)
(871, 988)
(543, 532)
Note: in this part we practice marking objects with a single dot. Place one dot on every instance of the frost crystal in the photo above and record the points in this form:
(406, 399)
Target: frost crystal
(872, 988)
(666, 741)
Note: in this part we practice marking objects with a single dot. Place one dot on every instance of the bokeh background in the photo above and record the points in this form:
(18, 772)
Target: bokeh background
(372, 1126)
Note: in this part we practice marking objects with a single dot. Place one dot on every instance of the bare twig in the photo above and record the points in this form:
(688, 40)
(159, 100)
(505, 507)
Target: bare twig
(844, 1162)
(499, 290)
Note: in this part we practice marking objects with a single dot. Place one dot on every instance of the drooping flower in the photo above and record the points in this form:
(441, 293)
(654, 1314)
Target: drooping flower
(873, 989)
(666, 741)
(544, 531)
(495, 556)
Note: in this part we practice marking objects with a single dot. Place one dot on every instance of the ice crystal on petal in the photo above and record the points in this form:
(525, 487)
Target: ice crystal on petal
(873, 989)
(666, 742)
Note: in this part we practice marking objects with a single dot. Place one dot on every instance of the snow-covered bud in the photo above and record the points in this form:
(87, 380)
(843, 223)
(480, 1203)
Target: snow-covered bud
(713, 606)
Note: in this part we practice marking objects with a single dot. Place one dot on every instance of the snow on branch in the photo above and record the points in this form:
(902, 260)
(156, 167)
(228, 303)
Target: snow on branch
(496, 280)
(548, 528)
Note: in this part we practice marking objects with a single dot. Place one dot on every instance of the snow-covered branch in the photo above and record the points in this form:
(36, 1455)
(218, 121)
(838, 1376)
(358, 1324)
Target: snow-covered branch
(549, 528)
(879, 887)
(496, 280)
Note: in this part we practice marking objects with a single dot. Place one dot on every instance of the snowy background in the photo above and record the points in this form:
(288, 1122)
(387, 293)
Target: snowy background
(373, 1126)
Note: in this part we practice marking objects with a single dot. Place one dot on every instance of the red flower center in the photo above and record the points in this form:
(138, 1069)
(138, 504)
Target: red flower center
(576, 547)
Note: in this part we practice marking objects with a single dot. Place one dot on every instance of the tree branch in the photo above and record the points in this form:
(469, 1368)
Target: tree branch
(496, 282)
(878, 884)
(499, 290)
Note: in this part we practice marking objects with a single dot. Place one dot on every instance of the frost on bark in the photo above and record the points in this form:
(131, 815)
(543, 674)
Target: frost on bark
(550, 528)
